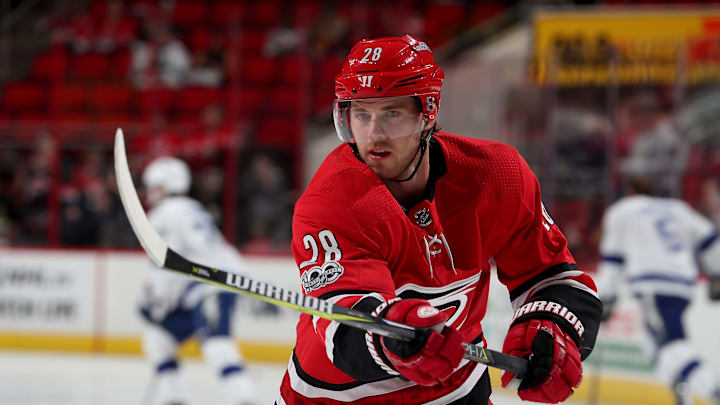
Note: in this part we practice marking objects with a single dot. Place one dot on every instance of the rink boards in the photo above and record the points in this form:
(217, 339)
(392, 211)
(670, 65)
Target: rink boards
(73, 300)
(86, 301)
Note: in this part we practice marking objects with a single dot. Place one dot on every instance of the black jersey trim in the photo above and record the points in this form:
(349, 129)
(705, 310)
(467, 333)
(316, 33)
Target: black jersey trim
(552, 271)
(331, 294)
(410, 293)
(438, 167)
(351, 352)
(480, 393)
(326, 385)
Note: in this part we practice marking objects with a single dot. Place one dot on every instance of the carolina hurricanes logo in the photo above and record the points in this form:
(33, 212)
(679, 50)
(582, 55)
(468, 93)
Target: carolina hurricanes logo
(423, 217)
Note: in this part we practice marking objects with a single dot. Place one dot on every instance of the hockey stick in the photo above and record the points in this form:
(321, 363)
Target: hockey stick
(166, 258)
(594, 391)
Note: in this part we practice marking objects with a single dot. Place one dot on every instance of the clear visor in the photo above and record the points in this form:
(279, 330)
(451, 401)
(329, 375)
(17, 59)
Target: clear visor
(375, 119)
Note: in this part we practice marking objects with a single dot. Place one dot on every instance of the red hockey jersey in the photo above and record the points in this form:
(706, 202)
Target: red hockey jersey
(356, 246)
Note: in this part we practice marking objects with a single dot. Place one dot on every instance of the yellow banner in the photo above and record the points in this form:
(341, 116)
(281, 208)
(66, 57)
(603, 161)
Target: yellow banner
(628, 47)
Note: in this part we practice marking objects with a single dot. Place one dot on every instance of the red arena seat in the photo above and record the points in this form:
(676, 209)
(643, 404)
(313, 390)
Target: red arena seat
(190, 13)
(154, 100)
(66, 98)
(50, 66)
(111, 97)
(24, 96)
(90, 66)
(258, 70)
(195, 99)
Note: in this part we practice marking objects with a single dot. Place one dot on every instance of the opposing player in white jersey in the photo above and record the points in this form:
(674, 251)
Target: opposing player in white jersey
(652, 244)
(176, 307)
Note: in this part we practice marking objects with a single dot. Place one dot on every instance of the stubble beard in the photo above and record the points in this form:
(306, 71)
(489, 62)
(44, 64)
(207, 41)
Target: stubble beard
(399, 169)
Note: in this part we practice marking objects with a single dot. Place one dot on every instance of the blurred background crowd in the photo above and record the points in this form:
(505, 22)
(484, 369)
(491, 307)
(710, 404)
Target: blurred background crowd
(241, 90)
(228, 86)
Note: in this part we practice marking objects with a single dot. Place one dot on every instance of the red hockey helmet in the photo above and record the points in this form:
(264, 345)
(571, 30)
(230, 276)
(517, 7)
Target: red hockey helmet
(387, 67)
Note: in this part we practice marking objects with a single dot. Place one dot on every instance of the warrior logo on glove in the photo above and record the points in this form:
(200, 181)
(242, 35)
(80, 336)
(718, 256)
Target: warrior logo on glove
(552, 307)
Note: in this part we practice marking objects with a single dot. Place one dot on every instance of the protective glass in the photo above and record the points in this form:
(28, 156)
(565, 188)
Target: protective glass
(376, 119)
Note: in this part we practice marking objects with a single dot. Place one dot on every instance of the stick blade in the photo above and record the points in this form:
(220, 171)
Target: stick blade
(149, 239)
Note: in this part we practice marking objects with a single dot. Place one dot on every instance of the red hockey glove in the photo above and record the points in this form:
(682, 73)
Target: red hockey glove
(554, 368)
(430, 359)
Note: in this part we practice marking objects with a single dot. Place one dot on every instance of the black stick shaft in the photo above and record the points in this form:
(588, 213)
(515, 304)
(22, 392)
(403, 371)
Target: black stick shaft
(327, 310)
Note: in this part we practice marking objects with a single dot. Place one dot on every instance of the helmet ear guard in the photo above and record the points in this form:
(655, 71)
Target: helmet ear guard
(431, 107)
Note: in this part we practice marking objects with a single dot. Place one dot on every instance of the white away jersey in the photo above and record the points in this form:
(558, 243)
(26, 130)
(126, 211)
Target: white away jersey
(188, 229)
(655, 241)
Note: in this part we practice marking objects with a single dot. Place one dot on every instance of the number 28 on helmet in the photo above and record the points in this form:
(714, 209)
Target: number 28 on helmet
(383, 68)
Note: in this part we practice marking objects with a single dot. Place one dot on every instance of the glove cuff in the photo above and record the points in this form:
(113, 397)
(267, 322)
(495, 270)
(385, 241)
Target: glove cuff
(373, 344)
(556, 312)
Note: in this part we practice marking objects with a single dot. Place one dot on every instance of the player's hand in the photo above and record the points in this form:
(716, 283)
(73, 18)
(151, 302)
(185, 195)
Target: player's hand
(554, 367)
(427, 360)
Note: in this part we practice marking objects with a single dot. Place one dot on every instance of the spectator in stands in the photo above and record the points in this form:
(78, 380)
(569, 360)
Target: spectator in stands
(581, 137)
(91, 169)
(330, 32)
(216, 50)
(282, 39)
(115, 230)
(208, 60)
(209, 190)
(636, 112)
(9, 161)
(214, 134)
(157, 138)
(160, 59)
(117, 30)
(81, 34)
(204, 72)
(265, 187)
(86, 33)
(205, 150)
(29, 191)
(400, 18)
(79, 222)
(5, 226)
(84, 200)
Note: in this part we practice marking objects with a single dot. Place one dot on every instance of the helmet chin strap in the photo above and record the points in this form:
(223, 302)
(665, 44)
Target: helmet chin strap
(424, 138)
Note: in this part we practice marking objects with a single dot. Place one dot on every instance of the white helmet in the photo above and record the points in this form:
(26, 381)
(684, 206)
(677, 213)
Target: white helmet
(172, 174)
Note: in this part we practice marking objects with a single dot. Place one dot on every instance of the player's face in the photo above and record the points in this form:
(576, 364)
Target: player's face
(387, 133)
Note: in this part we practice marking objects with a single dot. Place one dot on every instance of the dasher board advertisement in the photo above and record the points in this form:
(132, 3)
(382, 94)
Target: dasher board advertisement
(47, 291)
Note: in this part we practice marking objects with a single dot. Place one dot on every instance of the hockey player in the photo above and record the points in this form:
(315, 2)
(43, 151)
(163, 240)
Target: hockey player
(651, 243)
(176, 307)
(401, 221)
